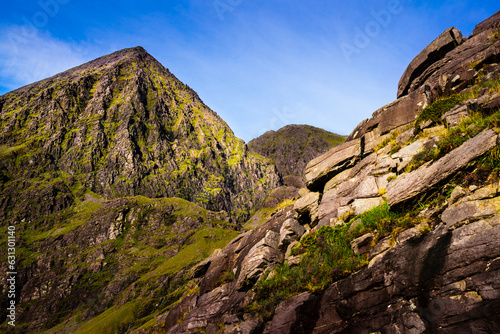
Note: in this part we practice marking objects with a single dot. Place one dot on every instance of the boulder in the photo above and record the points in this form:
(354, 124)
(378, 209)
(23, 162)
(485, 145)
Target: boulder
(409, 151)
(457, 193)
(409, 185)
(381, 246)
(290, 231)
(367, 188)
(435, 51)
(294, 260)
(308, 206)
(361, 205)
(250, 326)
(288, 252)
(338, 179)
(489, 191)
(455, 115)
(263, 255)
(412, 232)
(405, 136)
(329, 207)
(405, 154)
(321, 169)
(469, 211)
(363, 244)
(384, 165)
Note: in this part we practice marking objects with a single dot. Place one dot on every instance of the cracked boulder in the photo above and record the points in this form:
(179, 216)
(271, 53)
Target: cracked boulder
(435, 51)
(263, 256)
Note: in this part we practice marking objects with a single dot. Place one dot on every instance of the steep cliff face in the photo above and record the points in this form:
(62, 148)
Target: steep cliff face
(400, 229)
(121, 125)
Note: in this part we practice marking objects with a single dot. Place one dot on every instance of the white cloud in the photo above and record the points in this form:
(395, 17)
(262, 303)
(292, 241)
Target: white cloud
(28, 55)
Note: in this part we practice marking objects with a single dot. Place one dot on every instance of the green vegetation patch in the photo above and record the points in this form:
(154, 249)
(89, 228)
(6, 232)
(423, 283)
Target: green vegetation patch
(453, 138)
(110, 321)
(438, 108)
(204, 242)
(327, 256)
(381, 221)
(76, 216)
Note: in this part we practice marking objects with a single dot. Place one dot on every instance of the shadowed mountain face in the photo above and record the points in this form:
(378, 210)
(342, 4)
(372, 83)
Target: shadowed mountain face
(121, 125)
(293, 146)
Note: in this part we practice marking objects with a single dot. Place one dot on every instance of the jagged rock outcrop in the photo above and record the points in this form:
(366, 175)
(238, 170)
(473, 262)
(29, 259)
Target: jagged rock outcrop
(457, 70)
(435, 268)
(331, 163)
(445, 281)
(435, 51)
(426, 177)
(122, 125)
(248, 256)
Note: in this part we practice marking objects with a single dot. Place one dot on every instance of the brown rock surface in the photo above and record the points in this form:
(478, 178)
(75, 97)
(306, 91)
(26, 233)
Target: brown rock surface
(324, 167)
(451, 285)
(446, 42)
(410, 185)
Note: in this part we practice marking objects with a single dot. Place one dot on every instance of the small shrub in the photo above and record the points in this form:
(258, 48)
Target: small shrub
(381, 221)
(434, 111)
(424, 229)
(494, 158)
(479, 175)
(391, 177)
(226, 277)
(378, 218)
(421, 158)
(382, 144)
(395, 148)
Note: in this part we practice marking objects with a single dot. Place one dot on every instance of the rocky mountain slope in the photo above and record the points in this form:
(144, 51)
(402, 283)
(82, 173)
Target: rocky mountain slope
(121, 125)
(106, 172)
(399, 231)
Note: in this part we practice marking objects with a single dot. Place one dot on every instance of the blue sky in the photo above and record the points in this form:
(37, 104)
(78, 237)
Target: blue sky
(259, 64)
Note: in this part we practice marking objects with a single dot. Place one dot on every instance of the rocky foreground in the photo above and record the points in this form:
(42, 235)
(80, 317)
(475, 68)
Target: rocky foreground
(409, 207)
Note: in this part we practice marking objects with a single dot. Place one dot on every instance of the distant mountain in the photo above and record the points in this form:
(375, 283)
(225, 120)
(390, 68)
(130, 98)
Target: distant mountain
(293, 146)
(121, 125)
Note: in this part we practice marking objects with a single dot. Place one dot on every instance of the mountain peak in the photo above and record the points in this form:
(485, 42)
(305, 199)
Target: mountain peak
(122, 124)
(135, 53)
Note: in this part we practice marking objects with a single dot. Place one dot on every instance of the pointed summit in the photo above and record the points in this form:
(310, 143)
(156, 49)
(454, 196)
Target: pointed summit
(123, 125)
